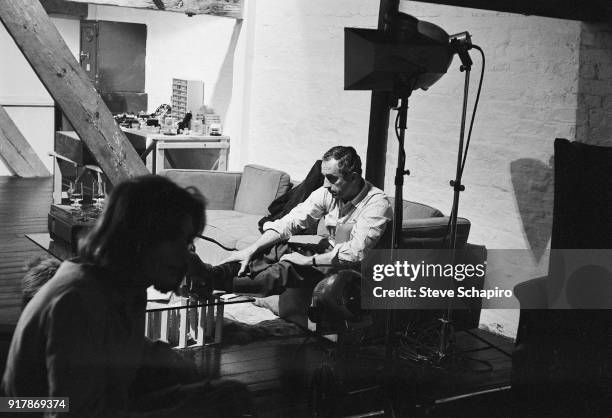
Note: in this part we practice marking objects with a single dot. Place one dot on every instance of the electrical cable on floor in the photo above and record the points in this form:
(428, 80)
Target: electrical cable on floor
(214, 241)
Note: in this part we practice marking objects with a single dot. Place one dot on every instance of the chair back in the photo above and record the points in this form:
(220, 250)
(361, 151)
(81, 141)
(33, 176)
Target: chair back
(425, 227)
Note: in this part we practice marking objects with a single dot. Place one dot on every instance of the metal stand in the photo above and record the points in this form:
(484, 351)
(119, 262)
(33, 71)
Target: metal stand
(400, 172)
(440, 353)
(447, 330)
(398, 209)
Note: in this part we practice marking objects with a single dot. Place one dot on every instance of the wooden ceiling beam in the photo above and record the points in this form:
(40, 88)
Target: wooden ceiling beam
(65, 8)
(225, 8)
(16, 151)
(585, 10)
(42, 45)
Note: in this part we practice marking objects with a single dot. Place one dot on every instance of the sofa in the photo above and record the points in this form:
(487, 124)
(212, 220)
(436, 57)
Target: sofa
(237, 200)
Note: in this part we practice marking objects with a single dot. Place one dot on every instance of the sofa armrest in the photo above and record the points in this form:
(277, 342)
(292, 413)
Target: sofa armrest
(415, 210)
(218, 187)
(432, 233)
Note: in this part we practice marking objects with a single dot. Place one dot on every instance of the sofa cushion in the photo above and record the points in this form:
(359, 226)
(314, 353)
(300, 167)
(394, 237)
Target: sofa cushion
(231, 229)
(218, 187)
(259, 186)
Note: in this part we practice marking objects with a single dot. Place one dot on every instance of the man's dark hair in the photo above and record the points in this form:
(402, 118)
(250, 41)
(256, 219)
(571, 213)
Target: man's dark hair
(348, 160)
(139, 214)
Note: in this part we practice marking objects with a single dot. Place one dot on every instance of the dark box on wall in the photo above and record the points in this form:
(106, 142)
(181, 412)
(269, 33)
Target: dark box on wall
(113, 55)
(67, 226)
(125, 102)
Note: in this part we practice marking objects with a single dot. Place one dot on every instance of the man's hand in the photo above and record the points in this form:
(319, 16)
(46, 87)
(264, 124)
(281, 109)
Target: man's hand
(194, 264)
(297, 259)
(243, 257)
(196, 274)
(267, 239)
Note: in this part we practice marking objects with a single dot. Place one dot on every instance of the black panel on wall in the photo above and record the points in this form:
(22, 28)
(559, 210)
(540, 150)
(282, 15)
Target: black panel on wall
(113, 54)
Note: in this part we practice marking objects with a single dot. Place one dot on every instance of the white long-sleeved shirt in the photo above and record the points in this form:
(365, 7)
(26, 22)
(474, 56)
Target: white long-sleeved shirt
(366, 215)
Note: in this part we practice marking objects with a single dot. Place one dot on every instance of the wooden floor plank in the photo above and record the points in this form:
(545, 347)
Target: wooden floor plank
(24, 204)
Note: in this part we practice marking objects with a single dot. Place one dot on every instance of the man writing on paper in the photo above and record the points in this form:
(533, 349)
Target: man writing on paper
(355, 215)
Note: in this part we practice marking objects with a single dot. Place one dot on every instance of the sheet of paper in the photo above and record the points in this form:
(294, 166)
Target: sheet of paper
(313, 240)
(157, 296)
(232, 297)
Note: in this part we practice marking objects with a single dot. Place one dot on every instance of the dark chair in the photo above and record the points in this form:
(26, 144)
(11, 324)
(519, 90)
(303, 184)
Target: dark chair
(562, 361)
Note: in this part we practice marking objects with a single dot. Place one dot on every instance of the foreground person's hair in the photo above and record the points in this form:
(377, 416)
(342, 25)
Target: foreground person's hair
(40, 271)
(139, 214)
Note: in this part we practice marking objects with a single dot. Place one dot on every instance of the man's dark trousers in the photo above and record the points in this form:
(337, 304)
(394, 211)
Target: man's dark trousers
(269, 276)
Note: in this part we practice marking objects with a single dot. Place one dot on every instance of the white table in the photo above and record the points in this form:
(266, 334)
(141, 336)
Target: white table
(69, 151)
(203, 317)
(158, 143)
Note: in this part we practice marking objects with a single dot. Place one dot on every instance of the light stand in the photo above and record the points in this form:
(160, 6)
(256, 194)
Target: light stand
(398, 209)
(400, 172)
(460, 44)
(411, 55)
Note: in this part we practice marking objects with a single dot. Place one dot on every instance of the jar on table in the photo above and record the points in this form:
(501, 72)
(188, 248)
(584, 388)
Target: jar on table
(196, 126)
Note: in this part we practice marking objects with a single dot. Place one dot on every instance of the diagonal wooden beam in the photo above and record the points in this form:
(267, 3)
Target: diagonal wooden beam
(67, 83)
(226, 8)
(16, 151)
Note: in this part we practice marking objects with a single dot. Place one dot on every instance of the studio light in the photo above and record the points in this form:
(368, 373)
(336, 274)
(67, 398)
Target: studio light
(413, 55)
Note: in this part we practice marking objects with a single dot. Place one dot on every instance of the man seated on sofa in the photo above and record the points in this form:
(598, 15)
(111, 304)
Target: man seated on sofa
(355, 215)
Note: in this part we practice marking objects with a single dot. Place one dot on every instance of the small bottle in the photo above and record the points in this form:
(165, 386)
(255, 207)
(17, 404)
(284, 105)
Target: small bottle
(196, 126)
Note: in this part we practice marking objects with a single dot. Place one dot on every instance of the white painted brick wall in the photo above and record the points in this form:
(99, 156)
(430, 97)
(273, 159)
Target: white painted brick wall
(594, 116)
(299, 108)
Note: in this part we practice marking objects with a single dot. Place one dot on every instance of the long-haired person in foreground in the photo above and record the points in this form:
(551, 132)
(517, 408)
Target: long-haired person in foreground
(82, 334)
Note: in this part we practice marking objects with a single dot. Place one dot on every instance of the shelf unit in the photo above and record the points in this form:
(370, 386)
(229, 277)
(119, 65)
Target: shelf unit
(187, 96)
